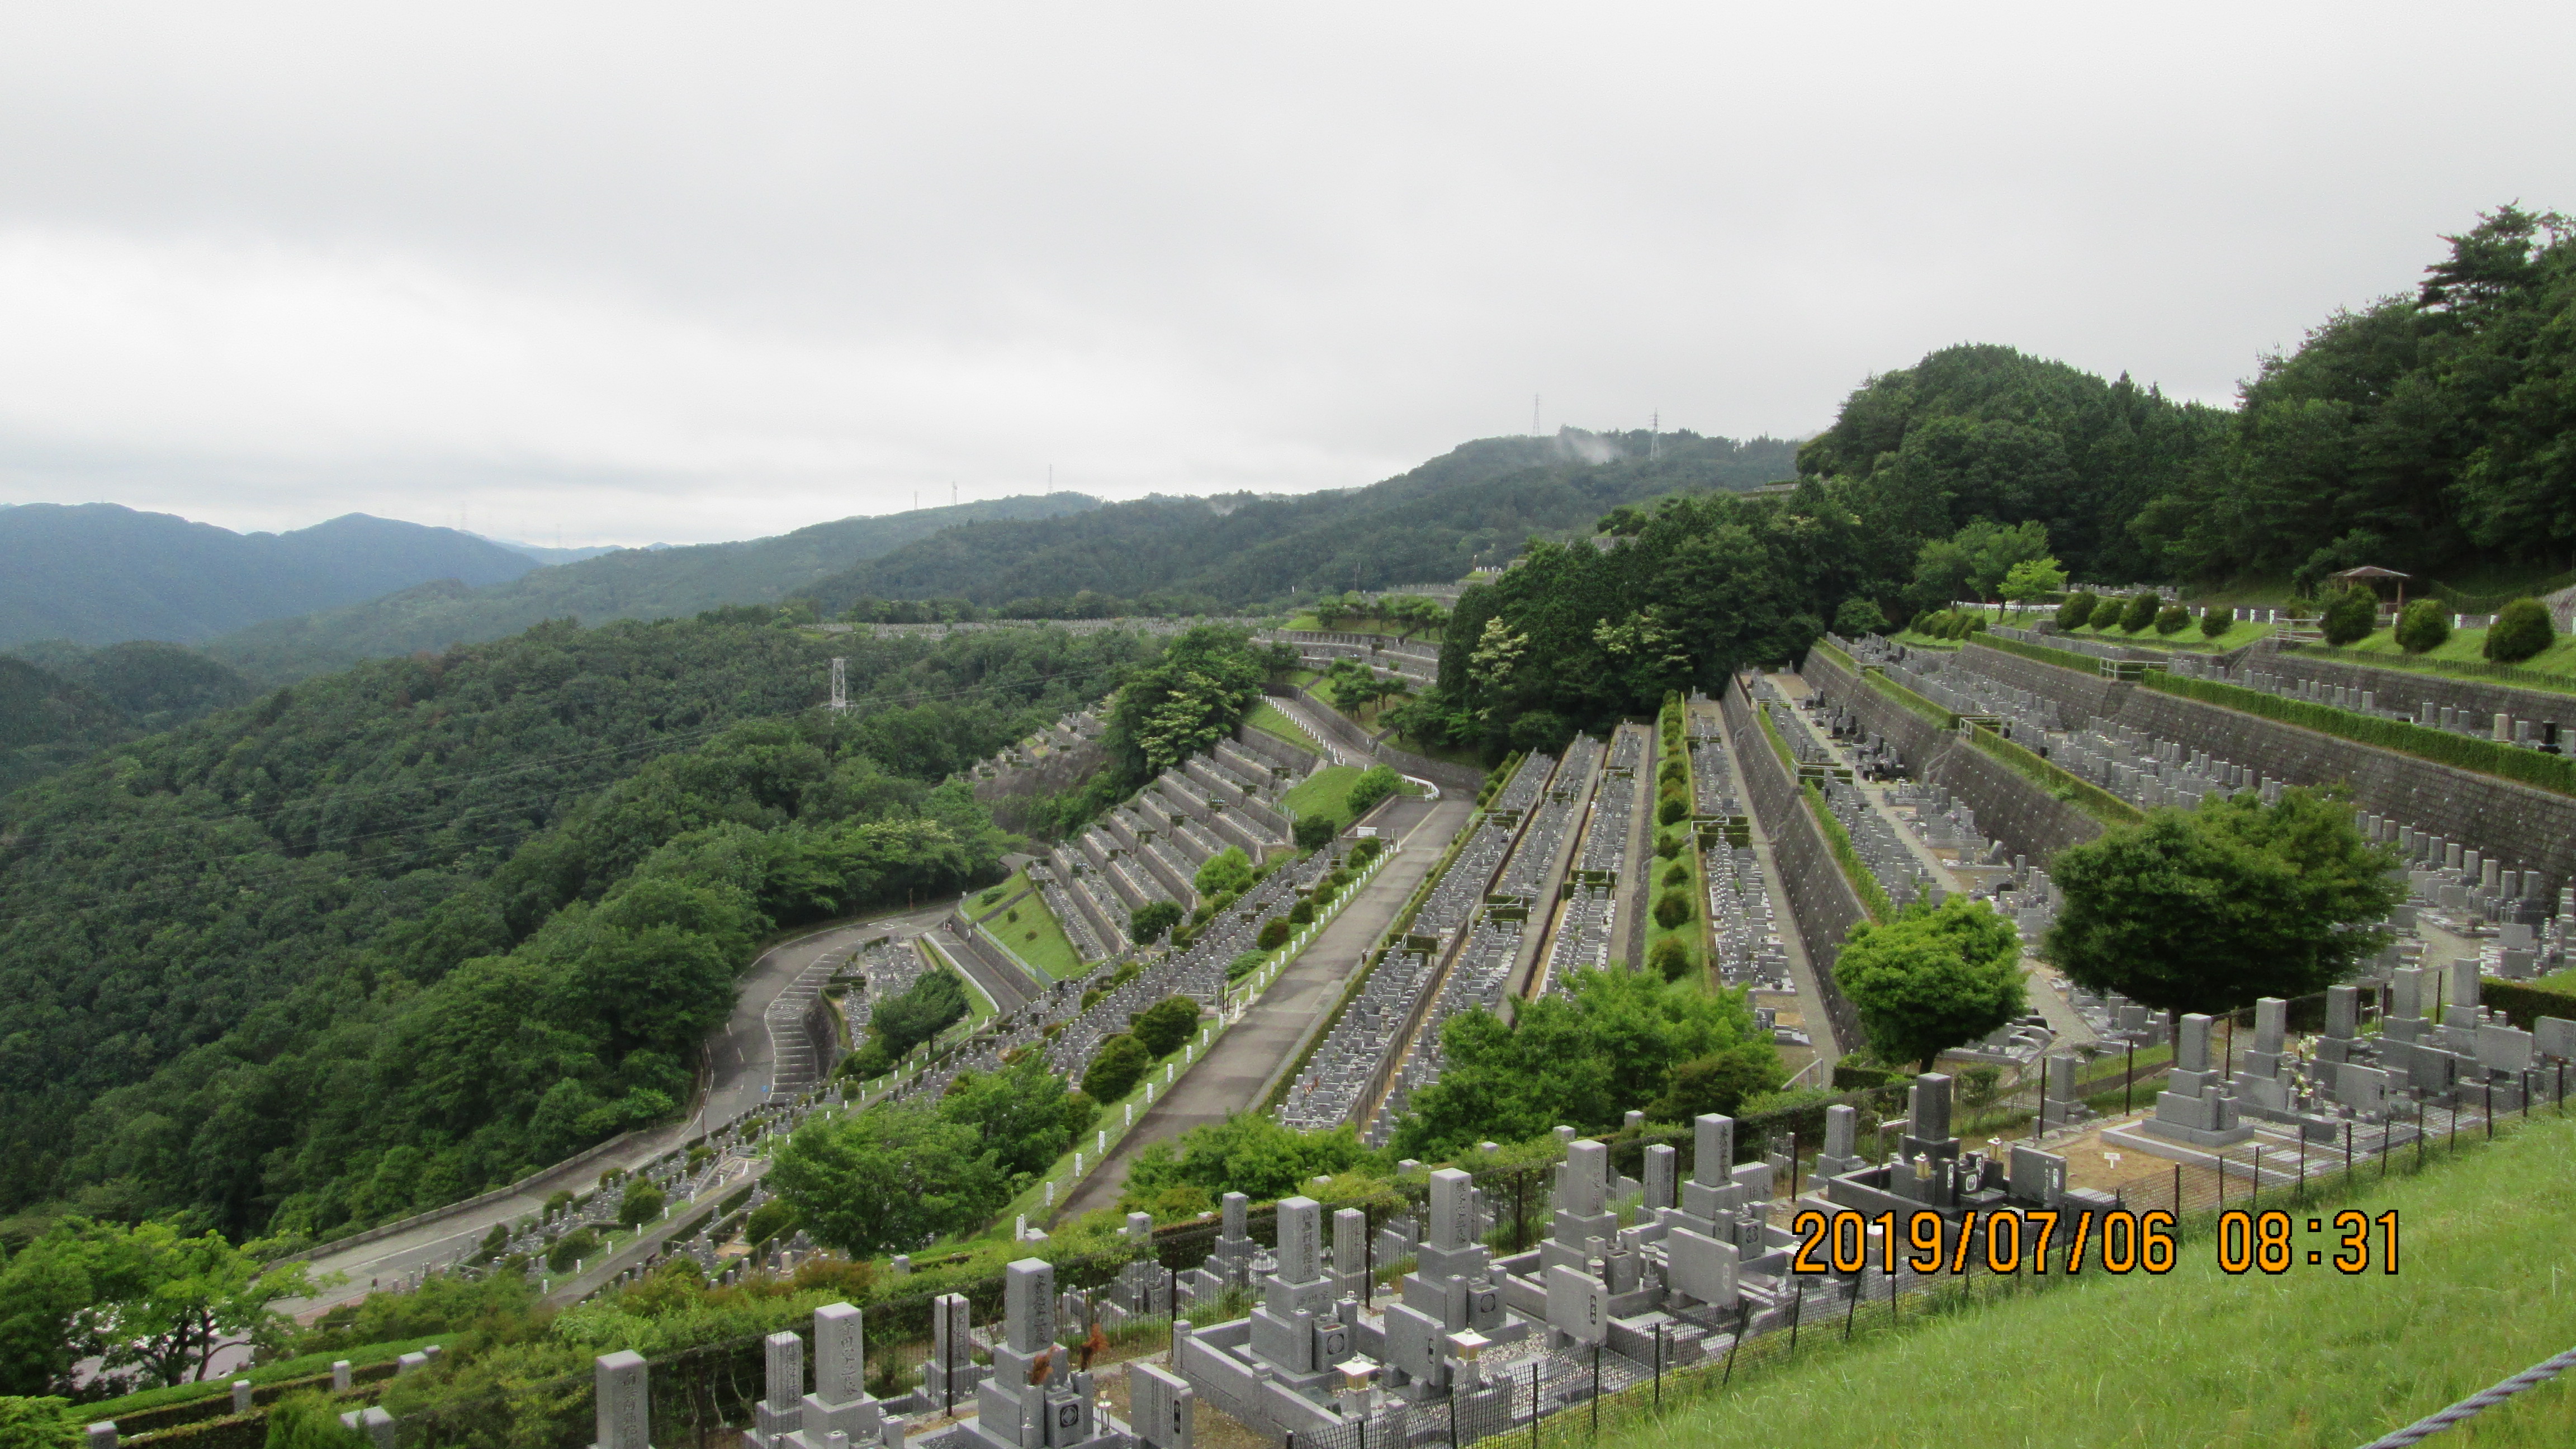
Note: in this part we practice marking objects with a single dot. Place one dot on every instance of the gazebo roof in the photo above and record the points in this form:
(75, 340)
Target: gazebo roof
(2369, 571)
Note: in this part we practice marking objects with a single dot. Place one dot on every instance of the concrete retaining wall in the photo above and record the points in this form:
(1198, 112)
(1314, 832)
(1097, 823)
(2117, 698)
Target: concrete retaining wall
(1822, 900)
(2010, 806)
(2405, 689)
(2523, 827)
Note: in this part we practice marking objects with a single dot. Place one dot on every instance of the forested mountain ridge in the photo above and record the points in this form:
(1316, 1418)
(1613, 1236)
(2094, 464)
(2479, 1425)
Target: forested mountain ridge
(1429, 524)
(400, 932)
(59, 702)
(656, 583)
(98, 573)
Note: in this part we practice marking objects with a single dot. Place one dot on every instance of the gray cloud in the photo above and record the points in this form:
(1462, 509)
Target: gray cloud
(641, 272)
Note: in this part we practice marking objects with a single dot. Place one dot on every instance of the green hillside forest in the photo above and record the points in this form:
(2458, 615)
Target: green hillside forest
(60, 702)
(1481, 500)
(2430, 432)
(657, 583)
(398, 933)
(97, 573)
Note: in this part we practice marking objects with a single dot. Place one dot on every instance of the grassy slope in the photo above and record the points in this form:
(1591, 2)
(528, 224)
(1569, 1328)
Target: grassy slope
(1036, 936)
(1267, 719)
(2486, 1287)
(1328, 790)
(2468, 646)
(2238, 635)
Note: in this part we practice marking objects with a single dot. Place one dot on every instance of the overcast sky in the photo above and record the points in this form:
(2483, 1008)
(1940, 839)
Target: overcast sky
(634, 272)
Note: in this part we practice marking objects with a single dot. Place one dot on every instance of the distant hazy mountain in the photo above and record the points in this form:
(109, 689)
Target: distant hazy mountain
(544, 554)
(635, 583)
(98, 573)
(1479, 500)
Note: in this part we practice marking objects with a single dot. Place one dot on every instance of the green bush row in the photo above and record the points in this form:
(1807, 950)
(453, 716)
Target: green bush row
(2524, 1002)
(2062, 658)
(2443, 747)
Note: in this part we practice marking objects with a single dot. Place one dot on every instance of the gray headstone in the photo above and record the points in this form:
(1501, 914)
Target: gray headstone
(624, 1409)
(241, 1396)
(1842, 1124)
(1587, 1176)
(101, 1435)
(1140, 1227)
(2191, 1045)
(2061, 1079)
(1701, 1266)
(2343, 1012)
(1452, 1222)
(2406, 992)
(840, 1354)
(2555, 1036)
(950, 1322)
(1301, 1239)
(784, 1354)
(2036, 1176)
(2271, 1024)
(2464, 984)
(1350, 1241)
(1713, 1144)
(1162, 1409)
(1028, 1304)
(2501, 1048)
(1578, 1305)
(1234, 1204)
(1663, 1166)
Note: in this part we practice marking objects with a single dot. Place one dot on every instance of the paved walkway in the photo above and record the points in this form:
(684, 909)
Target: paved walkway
(744, 1059)
(1237, 1073)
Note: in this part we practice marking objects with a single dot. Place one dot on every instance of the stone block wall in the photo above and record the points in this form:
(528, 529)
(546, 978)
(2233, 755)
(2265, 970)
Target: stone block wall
(1822, 900)
(2523, 827)
(1065, 767)
(2010, 806)
(2408, 690)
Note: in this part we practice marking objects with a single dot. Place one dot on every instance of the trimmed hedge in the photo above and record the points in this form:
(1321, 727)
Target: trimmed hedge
(1873, 897)
(2554, 773)
(2062, 658)
(2522, 1002)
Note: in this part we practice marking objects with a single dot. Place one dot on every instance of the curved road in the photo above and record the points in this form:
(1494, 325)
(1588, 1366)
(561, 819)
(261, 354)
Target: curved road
(754, 1056)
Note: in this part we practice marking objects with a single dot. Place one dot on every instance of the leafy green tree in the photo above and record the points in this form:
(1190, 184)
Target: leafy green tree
(1719, 1082)
(2423, 627)
(1934, 978)
(1149, 922)
(1859, 616)
(2108, 613)
(2207, 910)
(2031, 578)
(571, 1250)
(2172, 619)
(1229, 871)
(1670, 959)
(1274, 934)
(2521, 630)
(1672, 908)
(1022, 1112)
(1163, 1026)
(2215, 621)
(889, 1179)
(1374, 784)
(775, 1218)
(2141, 612)
(1248, 1153)
(2077, 611)
(1206, 682)
(642, 1204)
(1608, 1045)
(1116, 1068)
(919, 1012)
(2349, 616)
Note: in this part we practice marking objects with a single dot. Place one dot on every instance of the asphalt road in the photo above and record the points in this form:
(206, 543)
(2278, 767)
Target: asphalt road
(753, 1056)
(1237, 1072)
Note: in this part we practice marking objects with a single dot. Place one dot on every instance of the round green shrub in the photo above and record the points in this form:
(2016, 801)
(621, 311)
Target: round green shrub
(2521, 630)
(1668, 844)
(1163, 1026)
(1121, 1062)
(2077, 611)
(1671, 909)
(2107, 612)
(1669, 959)
(2173, 619)
(2140, 612)
(1274, 934)
(571, 1249)
(642, 1204)
(2349, 616)
(1676, 873)
(1302, 912)
(2214, 622)
(1671, 810)
(2424, 627)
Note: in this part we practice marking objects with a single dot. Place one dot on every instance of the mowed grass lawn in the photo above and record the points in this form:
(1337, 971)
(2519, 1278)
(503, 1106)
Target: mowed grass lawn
(1267, 719)
(2485, 1287)
(2468, 646)
(1032, 931)
(1327, 790)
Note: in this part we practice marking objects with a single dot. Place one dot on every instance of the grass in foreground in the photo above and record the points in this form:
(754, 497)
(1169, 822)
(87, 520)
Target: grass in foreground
(1033, 932)
(2486, 1287)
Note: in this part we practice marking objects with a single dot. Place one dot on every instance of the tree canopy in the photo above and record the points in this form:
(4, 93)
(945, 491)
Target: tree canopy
(2209, 909)
(890, 1178)
(1934, 978)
